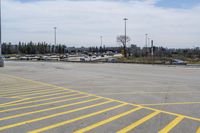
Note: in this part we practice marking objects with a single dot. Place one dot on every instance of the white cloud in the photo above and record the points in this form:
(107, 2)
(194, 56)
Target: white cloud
(83, 22)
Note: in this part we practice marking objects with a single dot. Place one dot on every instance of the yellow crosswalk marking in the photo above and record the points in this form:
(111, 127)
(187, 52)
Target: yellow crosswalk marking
(19, 88)
(20, 100)
(139, 122)
(198, 130)
(75, 119)
(42, 104)
(27, 90)
(8, 86)
(172, 124)
(34, 97)
(50, 85)
(36, 93)
(88, 128)
(19, 93)
(48, 109)
(175, 103)
(40, 100)
(29, 93)
(51, 116)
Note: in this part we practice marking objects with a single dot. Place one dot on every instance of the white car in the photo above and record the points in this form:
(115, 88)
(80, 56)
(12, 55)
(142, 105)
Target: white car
(178, 62)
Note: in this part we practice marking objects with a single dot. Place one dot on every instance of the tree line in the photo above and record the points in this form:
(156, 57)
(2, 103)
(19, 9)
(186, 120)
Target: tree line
(131, 51)
(32, 48)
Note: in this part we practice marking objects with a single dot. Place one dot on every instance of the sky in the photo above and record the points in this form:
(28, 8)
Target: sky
(170, 23)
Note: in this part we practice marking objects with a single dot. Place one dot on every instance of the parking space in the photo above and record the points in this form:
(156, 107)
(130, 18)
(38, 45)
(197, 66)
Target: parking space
(41, 102)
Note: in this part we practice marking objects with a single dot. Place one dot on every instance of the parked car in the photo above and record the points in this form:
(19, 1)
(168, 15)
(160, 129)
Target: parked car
(112, 60)
(178, 62)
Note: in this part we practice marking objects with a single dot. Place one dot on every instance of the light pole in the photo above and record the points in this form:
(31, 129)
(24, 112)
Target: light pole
(146, 42)
(125, 19)
(0, 28)
(101, 38)
(1, 58)
(55, 28)
(149, 41)
(152, 53)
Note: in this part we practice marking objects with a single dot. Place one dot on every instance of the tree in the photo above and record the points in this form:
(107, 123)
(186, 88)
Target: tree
(124, 40)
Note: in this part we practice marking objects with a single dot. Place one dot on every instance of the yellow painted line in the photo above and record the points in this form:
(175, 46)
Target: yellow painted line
(42, 104)
(48, 109)
(18, 90)
(40, 100)
(32, 81)
(175, 114)
(198, 130)
(24, 92)
(4, 104)
(20, 87)
(51, 116)
(139, 122)
(75, 119)
(176, 103)
(171, 125)
(17, 84)
(24, 99)
(38, 93)
(149, 108)
(152, 92)
(88, 128)
(33, 92)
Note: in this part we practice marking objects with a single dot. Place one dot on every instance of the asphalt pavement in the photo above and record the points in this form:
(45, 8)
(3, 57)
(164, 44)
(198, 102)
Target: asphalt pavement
(60, 97)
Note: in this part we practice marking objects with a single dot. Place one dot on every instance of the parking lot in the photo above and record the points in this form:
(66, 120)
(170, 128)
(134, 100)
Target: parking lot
(99, 98)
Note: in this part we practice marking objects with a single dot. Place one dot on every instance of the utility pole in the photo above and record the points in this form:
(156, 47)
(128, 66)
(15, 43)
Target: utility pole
(125, 19)
(101, 38)
(146, 43)
(55, 28)
(1, 58)
(152, 53)
(0, 29)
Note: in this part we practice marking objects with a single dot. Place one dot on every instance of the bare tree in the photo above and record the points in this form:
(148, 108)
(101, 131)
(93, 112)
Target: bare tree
(124, 40)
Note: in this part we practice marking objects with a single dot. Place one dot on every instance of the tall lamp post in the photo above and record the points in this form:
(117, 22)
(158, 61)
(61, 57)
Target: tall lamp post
(101, 37)
(125, 19)
(1, 58)
(55, 28)
(146, 43)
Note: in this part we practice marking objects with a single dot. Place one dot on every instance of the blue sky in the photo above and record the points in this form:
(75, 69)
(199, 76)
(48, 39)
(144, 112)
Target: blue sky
(177, 3)
(170, 23)
(160, 3)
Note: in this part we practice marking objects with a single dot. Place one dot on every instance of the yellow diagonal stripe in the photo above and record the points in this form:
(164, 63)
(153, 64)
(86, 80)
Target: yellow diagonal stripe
(43, 93)
(176, 103)
(42, 104)
(31, 98)
(139, 122)
(48, 109)
(51, 116)
(29, 93)
(40, 100)
(9, 87)
(20, 88)
(75, 119)
(88, 128)
(19, 92)
(171, 125)
(198, 130)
